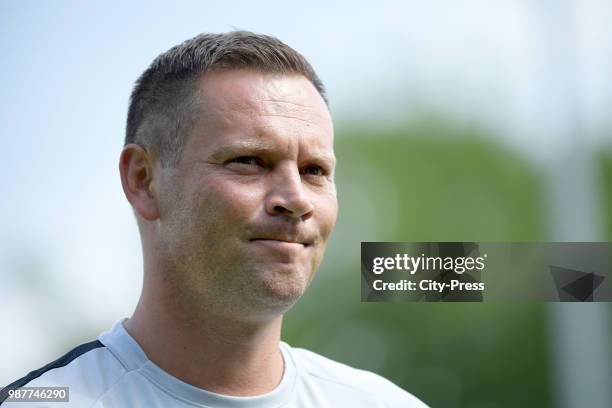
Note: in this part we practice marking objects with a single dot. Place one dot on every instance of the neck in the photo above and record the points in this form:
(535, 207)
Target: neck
(219, 354)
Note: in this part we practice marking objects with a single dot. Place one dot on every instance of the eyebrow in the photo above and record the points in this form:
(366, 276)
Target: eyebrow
(261, 147)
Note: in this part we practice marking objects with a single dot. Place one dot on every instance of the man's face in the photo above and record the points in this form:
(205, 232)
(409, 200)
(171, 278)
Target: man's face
(246, 215)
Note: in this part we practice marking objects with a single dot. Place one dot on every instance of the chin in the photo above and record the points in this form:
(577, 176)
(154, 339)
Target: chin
(281, 290)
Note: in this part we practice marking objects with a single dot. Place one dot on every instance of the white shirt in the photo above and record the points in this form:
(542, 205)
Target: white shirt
(115, 372)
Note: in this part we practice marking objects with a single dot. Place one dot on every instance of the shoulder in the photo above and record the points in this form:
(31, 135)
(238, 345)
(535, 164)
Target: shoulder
(88, 370)
(325, 370)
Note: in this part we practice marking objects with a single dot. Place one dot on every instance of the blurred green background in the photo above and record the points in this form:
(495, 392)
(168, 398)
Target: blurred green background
(432, 181)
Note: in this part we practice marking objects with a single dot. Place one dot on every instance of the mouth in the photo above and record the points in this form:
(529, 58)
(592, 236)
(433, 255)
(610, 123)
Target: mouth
(281, 245)
(280, 241)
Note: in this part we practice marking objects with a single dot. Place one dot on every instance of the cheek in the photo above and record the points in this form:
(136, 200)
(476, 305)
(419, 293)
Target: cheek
(228, 203)
(328, 213)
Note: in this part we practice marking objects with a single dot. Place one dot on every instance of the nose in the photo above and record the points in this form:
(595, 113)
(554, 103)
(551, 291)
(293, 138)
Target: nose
(288, 196)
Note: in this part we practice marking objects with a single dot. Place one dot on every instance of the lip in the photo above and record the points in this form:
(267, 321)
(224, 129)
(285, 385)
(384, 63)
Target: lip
(279, 244)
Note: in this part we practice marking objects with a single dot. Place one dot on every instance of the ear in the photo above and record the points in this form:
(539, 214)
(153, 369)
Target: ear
(136, 170)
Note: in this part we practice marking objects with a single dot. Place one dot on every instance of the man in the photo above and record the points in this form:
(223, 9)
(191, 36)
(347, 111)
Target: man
(228, 164)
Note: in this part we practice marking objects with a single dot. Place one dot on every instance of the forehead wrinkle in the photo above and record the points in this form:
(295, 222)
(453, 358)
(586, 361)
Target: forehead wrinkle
(264, 106)
(261, 106)
(291, 117)
(261, 126)
(315, 141)
(286, 102)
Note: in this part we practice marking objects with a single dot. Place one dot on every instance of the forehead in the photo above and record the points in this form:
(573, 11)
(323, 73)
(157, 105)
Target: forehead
(241, 104)
(246, 89)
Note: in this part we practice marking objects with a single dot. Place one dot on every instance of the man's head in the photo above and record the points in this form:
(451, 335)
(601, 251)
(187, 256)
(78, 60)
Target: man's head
(230, 171)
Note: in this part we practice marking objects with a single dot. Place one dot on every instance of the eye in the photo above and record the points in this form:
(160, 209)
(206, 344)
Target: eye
(247, 160)
(314, 171)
